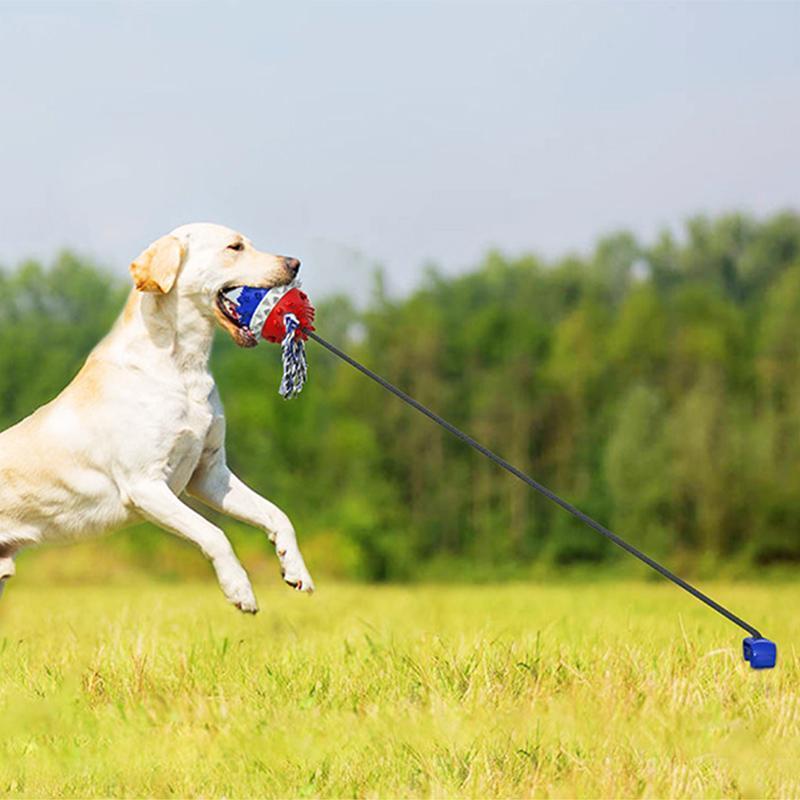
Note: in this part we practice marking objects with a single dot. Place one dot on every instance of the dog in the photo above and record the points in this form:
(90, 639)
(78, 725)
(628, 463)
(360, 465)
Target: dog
(142, 423)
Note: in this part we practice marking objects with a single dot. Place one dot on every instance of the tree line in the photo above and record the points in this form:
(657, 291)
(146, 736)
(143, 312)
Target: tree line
(656, 386)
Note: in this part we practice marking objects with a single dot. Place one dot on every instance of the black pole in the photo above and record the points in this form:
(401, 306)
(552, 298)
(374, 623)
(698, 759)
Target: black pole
(576, 512)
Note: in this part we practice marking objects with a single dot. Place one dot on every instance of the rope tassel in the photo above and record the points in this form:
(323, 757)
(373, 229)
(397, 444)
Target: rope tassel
(293, 351)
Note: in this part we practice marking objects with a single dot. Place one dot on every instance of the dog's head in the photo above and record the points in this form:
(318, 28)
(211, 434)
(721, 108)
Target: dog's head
(202, 260)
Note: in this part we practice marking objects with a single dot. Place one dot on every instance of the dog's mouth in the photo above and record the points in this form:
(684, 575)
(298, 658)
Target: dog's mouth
(230, 318)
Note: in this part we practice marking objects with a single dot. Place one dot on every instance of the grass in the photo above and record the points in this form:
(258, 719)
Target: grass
(624, 690)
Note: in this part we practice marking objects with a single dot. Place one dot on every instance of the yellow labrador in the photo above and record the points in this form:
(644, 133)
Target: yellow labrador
(142, 422)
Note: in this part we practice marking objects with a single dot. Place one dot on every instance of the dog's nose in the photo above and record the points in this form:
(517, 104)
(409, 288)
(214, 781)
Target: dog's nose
(292, 264)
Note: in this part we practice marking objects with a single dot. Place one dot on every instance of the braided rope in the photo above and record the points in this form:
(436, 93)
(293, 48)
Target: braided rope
(295, 367)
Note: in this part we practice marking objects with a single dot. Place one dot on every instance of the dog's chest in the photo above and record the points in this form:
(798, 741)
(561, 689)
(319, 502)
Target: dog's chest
(196, 415)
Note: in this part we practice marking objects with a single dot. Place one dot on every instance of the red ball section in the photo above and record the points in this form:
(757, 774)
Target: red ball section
(293, 302)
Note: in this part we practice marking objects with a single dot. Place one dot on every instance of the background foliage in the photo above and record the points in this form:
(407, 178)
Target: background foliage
(656, 386)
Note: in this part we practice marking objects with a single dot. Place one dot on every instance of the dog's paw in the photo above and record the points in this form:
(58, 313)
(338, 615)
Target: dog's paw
(239, 592)
(300, 583)
(294, 571)
(245, 600)
(247, 606)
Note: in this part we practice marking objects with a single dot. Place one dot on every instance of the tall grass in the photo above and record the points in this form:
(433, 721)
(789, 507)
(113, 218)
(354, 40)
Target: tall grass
(605, 690)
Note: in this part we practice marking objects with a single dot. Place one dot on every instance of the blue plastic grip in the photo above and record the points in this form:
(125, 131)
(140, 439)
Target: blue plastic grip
(761, 653)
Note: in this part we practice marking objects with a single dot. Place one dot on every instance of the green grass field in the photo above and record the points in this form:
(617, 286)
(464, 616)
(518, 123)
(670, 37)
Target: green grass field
(560, 690)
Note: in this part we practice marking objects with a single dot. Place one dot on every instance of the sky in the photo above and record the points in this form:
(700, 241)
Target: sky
(399, 134)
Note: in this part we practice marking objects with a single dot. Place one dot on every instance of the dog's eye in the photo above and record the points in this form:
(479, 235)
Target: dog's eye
(237, 246)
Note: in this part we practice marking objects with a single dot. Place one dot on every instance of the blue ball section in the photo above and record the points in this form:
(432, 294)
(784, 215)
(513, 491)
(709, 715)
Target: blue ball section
(248, 301)
(761, 653)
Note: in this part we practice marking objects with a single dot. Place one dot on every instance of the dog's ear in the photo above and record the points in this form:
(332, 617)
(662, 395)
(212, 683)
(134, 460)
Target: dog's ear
(156, 269)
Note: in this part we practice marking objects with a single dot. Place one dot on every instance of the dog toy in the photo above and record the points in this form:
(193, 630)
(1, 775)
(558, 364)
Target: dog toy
(284, 314)
(281, 314)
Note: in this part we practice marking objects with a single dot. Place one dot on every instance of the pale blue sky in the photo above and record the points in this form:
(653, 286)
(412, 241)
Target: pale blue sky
(401, 133)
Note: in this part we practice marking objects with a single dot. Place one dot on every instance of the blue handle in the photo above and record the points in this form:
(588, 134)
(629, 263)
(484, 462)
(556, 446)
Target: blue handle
(761, 653)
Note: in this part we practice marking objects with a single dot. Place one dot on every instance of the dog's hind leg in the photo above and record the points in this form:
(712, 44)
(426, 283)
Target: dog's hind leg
(7, 568)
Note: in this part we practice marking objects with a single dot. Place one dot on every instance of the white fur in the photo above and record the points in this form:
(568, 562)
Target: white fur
(142, 423)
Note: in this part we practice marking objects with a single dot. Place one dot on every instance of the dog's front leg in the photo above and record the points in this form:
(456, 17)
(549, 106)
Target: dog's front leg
(214, 484)
(156, 503)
